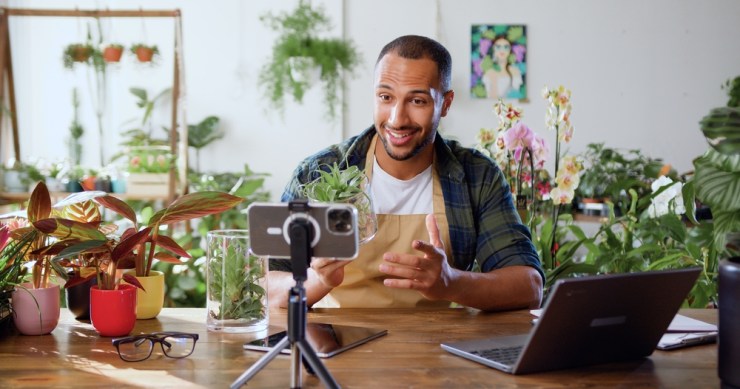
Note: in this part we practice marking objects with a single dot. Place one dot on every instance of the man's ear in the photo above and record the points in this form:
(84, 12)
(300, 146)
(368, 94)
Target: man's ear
(448, 97)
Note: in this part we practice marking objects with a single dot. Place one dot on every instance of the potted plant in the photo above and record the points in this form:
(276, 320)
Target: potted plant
(298, 37)
(716, 182)
(12, 271)
(112, 52)
(149, 159)
(610, 173)
(36, 303)
(77, 53)
(349, 185)
(144, 53)
(80, 233)
(73, 178)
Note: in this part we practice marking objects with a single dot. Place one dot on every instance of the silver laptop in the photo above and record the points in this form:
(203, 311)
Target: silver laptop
(587, 321)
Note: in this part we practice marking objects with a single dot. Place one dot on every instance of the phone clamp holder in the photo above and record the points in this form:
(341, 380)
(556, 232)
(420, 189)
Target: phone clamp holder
(300, 232)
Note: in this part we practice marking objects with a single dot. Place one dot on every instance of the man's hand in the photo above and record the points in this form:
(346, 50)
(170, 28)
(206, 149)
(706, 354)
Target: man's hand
(330, 272)
(428, 273)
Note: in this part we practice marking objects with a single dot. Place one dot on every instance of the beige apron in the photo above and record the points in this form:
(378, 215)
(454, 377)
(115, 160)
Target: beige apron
(363, 282)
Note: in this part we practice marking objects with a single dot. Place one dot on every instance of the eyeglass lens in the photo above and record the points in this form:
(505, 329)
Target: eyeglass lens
(173, 346)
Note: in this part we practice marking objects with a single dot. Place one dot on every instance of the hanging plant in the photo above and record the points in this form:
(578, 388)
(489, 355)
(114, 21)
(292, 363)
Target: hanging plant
(77, 53)
(298, 32)
(144, 53)
(112, 52)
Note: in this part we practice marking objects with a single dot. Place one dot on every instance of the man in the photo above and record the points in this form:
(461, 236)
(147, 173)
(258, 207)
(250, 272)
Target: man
(440, 206)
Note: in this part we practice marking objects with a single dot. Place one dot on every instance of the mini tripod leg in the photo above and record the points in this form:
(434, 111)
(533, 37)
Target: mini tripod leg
(261, 363)
(313, 360)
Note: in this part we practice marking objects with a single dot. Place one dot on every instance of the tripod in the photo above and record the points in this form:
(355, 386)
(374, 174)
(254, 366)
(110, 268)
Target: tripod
(299, 231)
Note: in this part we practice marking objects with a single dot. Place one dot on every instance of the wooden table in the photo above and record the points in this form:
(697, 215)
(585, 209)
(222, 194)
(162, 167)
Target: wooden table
(74, 356)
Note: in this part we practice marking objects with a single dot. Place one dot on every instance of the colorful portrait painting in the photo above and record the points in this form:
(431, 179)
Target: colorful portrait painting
(498, 61)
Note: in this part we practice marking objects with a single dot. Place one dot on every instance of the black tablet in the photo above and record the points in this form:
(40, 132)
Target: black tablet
(326, 339)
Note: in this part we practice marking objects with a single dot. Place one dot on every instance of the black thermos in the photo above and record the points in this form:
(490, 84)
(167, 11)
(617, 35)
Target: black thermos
(729, 323)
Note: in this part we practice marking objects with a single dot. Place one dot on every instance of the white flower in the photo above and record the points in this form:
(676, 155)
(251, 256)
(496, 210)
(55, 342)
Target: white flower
(561, 196)
(669, 200)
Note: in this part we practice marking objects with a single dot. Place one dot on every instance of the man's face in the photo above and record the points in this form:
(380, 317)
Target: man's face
(408, 105)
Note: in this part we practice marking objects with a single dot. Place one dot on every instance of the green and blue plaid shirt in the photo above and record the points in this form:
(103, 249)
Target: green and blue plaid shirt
(483, 222)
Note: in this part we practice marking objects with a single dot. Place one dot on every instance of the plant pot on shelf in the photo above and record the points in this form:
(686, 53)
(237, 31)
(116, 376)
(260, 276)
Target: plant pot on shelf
(113, 312)
(149, 301)
(148, 170)
(729, 317)
(35, 311)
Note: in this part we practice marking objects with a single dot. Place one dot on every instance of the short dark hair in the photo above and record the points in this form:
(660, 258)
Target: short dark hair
(417, 47)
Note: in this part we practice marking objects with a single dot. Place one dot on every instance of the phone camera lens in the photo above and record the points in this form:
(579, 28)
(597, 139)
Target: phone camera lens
(340, 220)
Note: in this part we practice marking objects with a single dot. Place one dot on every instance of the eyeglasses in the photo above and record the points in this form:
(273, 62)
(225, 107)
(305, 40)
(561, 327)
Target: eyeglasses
(504, 46)
(139, 347)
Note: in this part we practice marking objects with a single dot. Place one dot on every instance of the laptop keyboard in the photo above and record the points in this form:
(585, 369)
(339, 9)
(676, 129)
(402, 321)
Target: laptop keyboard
(503, 355)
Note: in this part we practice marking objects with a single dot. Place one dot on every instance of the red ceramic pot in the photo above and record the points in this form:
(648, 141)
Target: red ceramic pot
(113, 312)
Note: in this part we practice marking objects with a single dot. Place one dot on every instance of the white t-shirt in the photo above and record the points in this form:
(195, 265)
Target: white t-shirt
(392, 196)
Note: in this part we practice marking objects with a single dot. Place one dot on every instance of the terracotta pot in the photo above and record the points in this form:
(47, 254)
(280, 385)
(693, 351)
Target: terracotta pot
(81, 54)
(112, 53)
(30, 318)
(113, 312)
(150, 300)
(88, 183)
(144, 54)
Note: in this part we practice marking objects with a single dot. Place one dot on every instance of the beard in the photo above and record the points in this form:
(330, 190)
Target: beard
(429, 139)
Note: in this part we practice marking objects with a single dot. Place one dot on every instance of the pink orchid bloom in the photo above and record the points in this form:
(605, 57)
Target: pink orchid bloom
(540, 151)
(519, 136)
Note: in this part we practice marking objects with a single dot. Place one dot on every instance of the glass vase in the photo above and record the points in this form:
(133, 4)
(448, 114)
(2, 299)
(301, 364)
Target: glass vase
(367, 221)
(236, 284)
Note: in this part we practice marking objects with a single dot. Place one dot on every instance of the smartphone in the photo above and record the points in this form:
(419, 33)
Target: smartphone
(333, 229)
(326, 340)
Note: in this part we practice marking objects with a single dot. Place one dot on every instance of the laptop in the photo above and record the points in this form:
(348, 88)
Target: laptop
(588, 321)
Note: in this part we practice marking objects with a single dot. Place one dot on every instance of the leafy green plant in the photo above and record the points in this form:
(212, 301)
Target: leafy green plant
(235, 277)
(12, 257)
(77, 53)
(298, 37)
(82, 233)
(637, 241)
(186, 281)
(716, 179)
(142, 136)
(202, 134)
(337, 185)
(144, 52)
(610, 173)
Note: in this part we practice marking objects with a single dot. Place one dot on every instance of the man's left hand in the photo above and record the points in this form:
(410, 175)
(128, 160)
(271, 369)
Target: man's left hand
(429, 273)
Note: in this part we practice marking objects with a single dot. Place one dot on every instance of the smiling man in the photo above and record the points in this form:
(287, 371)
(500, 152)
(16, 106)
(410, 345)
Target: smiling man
(441, 207)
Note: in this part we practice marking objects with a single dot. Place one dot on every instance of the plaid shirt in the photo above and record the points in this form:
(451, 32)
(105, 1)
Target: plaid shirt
(478, 204)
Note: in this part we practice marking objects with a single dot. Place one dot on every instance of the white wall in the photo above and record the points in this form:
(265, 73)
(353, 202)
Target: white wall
(642, 73)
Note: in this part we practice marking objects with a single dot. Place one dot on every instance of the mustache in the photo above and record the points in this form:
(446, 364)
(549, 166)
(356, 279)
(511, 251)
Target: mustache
(403, 128)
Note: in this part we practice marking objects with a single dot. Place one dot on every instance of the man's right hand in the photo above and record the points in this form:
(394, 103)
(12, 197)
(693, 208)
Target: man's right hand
(330, 272)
